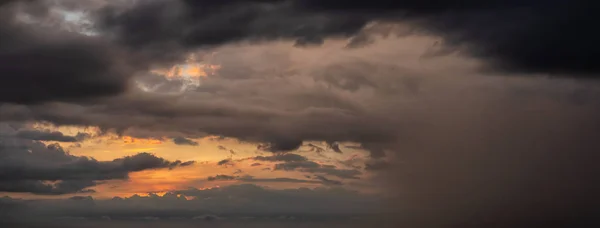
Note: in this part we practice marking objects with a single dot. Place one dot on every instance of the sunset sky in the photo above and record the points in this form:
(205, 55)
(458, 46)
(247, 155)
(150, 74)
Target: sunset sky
(440, 111)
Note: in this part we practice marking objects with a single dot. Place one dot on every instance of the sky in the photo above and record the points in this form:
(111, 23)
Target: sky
(440, 113)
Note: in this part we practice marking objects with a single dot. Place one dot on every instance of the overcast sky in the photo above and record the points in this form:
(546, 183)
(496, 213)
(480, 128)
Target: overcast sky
(441, 111)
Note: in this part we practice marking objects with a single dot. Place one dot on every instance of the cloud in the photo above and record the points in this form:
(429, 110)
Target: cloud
(33, 167)
(286, 157)
(220, 177)
(50, 136)
(328, 181)
(228, 202)
(376, 165)
(225, 162)
(70, 66)
(184, 141)
(501, 32)
(281, 144)
(335, 146)
(248, 178)
(473, 147)
(251, 179)
(313, 167)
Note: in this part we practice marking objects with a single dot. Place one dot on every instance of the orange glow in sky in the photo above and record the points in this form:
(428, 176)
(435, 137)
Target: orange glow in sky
(190, 69)
(131, 140)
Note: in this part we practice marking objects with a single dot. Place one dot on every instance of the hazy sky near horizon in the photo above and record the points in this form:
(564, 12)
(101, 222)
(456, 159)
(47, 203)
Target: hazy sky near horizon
(453, 110)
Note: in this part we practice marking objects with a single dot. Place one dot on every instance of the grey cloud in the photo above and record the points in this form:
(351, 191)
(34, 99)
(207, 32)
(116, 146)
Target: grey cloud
(501, 32)
(220, 177)
(335, 146)
(281, 144)
(276, 180)
(285, 157)
(50, 136)
(334, 171)
(184, 141)
(228, 202)
(377, 165)
(256, 164)
(252, 179)
(30, 166)
(288, 166)
(313, 167)
(225, 162)
(315, 148)
(70, 66)
(472, 147)
(327, 181)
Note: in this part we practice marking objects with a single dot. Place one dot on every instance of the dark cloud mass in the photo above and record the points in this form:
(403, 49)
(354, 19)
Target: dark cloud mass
(41, 64)
(513, 35)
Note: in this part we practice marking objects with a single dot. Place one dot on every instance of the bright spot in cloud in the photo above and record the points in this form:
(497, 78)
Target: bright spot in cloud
(189, 73)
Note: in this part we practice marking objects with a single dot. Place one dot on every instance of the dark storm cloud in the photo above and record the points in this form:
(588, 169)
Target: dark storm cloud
(377, 165)
(204, 23)
(513, 35)
(30, 166)
(510, 168)
(41, 64)
(184, 141)
(473, 148)
(50, 136)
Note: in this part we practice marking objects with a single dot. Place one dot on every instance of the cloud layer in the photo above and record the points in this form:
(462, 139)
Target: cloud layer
(465, 146)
